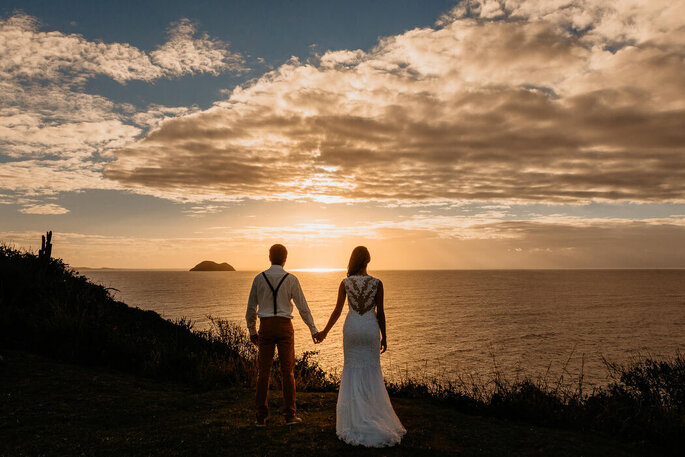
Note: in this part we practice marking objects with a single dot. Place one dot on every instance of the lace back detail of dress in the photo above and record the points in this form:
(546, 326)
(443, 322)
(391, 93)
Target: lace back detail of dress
(361, 293)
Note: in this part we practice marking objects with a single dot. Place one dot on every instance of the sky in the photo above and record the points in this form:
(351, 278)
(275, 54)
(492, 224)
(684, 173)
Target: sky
(440, 134)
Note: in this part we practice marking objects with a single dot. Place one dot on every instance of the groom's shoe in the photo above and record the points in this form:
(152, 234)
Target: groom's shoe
(293, 420)
(260, 422)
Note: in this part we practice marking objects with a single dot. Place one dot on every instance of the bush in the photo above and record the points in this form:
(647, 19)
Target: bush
(645, 401)
(48, 308)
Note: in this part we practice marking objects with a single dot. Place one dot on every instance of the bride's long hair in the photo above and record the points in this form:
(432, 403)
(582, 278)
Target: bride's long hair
(359, 259)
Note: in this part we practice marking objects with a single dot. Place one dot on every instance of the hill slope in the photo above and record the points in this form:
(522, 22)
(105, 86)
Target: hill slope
(49, 309)
(56, 408)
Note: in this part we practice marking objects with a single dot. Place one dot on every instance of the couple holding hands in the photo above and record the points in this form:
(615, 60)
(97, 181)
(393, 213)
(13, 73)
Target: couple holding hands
(364, 414)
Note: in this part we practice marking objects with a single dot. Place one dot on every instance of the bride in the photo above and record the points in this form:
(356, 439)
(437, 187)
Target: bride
(364, 414)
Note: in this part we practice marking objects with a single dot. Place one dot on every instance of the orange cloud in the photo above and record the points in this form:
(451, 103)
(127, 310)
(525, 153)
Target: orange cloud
(29, 53)
(52, 130)
(498, 101)
(430, 242)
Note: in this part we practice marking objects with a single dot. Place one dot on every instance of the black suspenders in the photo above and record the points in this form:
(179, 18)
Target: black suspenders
(275, 291)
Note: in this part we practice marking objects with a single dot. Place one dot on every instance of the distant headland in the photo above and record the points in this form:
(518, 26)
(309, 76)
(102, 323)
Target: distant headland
(208, 265)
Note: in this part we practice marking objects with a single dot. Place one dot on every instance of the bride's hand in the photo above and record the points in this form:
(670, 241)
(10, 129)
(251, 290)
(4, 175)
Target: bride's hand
(384, 345)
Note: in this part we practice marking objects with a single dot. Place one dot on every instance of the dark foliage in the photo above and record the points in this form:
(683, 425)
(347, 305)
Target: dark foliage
(50, 309)
(645, 402)
(47, 308)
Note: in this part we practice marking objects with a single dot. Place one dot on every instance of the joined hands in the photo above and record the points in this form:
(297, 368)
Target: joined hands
(319, 337)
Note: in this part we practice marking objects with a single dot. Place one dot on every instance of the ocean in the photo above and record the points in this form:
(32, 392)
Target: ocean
(458, 323)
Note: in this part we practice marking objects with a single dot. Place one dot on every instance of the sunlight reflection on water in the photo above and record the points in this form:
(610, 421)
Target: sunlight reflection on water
(448, 323)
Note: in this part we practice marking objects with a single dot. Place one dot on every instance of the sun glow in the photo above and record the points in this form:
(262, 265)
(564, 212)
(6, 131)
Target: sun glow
(318, 270)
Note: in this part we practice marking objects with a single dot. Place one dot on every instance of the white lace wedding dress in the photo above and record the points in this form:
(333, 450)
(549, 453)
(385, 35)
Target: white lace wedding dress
(364, 414)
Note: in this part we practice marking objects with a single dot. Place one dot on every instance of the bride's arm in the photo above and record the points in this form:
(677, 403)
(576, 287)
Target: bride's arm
(380, 315)
(337, 311)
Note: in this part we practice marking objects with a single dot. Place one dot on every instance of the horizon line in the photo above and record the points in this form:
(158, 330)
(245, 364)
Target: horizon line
(333, 270)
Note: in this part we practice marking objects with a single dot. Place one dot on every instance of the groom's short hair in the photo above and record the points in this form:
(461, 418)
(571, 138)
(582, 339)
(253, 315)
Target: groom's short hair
(277, 254)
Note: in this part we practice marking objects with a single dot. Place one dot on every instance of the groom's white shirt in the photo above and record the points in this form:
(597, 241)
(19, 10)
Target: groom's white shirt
(261, 301)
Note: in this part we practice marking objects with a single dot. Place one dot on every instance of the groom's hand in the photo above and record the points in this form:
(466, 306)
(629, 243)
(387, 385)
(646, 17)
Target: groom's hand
(255, 339)
(317, 337)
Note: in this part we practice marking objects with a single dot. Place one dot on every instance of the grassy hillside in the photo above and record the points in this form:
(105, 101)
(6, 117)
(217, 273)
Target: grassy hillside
(55, 408)
(48, 309)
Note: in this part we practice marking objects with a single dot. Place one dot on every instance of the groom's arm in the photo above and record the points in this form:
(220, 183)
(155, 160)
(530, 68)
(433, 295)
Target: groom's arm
(251, 313)
(302, 307)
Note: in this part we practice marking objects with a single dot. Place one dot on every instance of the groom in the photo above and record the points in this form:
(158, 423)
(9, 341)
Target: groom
(271, 297)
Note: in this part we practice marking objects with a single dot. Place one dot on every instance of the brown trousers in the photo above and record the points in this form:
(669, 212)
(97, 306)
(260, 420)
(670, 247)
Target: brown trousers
(276, 331)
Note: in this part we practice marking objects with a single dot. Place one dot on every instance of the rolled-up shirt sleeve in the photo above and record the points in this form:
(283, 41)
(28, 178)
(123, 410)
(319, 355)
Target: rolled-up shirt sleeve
(297, 296)
(251, 314)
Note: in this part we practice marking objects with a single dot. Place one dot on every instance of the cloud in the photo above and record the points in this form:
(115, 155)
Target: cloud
(556, 242)
(54, 139)
(35, 178)
(628, 21)
(186, 54)
(27, 52)
(562, 102)
(49, 208)
(54, 136)
(202, 210)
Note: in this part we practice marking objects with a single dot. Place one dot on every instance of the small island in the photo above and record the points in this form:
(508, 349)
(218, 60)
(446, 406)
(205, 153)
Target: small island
(208, 265)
